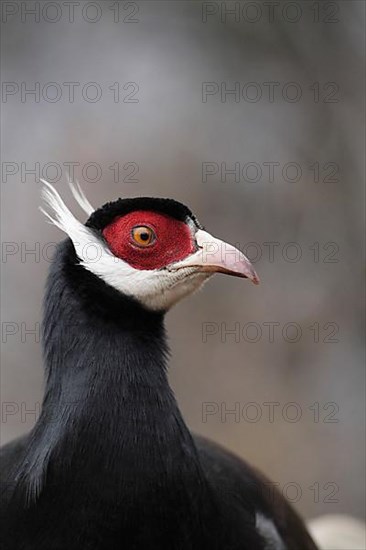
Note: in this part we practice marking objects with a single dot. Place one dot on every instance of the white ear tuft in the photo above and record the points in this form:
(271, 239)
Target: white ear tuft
(61, 216)
(89, 248)
(80, 197)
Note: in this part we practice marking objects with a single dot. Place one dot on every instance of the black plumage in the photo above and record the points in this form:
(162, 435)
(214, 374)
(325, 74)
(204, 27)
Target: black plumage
(111, 463)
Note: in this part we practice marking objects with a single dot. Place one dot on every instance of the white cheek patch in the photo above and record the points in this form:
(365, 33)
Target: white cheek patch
(156, 289)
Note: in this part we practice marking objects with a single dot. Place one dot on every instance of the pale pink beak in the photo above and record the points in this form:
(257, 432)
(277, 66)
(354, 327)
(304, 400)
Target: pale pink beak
(217, 256)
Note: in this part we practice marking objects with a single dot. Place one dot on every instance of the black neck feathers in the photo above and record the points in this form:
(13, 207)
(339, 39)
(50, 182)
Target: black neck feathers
(110, 438)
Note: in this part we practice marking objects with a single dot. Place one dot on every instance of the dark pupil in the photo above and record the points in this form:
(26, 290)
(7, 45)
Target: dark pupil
(144, 236)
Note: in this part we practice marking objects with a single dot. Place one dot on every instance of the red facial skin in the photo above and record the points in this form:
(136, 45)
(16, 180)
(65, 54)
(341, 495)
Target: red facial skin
(173, 240)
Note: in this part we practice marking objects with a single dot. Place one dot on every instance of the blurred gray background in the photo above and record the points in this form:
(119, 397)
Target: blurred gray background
(158, 55)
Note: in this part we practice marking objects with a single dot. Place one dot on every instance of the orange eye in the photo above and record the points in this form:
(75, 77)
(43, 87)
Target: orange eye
(143, 235)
